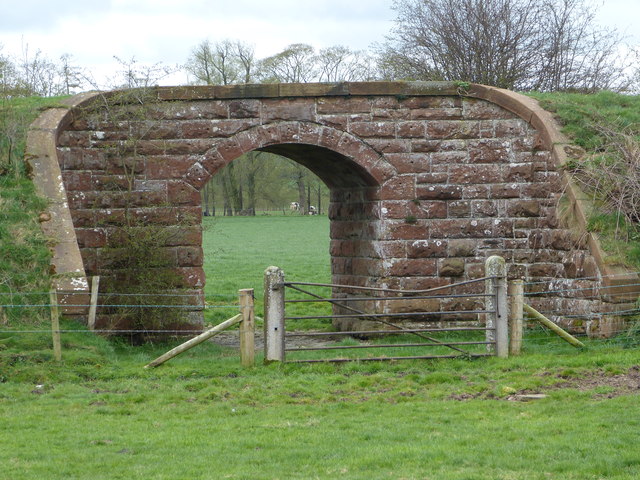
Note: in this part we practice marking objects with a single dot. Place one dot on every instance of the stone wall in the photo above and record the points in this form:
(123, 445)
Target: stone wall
(426, 180)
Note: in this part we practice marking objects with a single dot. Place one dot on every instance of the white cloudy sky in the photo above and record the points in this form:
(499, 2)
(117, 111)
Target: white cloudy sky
(151, 31)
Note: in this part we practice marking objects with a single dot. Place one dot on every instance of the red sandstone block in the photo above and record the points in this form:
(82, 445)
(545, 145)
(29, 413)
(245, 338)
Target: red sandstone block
(109, 182)
(288, 132)
(76, 180)
(366, 266)
(197, 176)
(188, 146)
(413, 129)
(433, 177)
(385, 114)
(473, 174)
(299, 109)
(229, 149)
(459, 209)
(168, 167)
(398, 188)
(401, 230)
(91, 237)
(489, 151)
(435, 102)
(333, 105)
(436, 114)
(481, 109)
(309, 133)
(83, 218)
(245, 108)
(390, 145)
(193, 277)
(415, 267)
(70, 158)
(448, 158)
(373, 129)
(522, 172)
(484, 208)
(335, 121)
(523, 208)
(75, 139)
(190, 110)
(428, 209)
(505, 190)
(393, 209)
(426, 248)
(185, 235)
(106, 217)
(453, 129)
(438, 192)
(476, 192)
(189, 256)
(182, 193)
(197, 129)
(512, 128)
(227, 128)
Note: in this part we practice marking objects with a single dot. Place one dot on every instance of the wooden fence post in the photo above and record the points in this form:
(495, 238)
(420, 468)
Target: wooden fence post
(516, 316)
(496, 305)
(93, 305)
(247, 328)
(273, 315)
(55, 325)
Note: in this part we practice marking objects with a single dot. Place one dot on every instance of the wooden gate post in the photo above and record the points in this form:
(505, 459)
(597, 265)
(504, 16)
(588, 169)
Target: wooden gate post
(247, 328)
(273, 315)
(496, 305)
(55, 325)
(516, 316)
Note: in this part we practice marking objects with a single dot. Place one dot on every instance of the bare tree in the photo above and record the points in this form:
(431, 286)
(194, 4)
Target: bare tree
(341, 64)
(222, 63)
(295, 64)
(517, 44)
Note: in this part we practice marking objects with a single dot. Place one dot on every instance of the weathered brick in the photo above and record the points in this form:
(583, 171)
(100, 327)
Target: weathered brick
(373, 129)
(244, 108)
(333, 105)
(414, 267)
(409, 162)
(411, 130)
(452, 129)
(426, 248)
(438, 192)
(288, 109)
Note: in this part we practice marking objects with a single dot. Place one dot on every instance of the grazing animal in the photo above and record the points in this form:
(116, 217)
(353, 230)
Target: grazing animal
(294, 207)
(313, 210)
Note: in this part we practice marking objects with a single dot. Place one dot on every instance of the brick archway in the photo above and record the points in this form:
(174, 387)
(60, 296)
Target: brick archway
(427, 179)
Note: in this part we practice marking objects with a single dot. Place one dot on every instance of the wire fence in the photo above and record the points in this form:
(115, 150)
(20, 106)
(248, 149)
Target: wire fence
(587, 306)
(592, 306)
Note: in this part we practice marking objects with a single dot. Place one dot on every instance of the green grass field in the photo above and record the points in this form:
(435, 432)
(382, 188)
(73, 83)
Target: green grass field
(100, 415)
(239, 249)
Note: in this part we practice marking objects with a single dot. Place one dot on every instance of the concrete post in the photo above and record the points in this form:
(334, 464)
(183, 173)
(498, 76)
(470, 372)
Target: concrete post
(273, 315)
(496, 304)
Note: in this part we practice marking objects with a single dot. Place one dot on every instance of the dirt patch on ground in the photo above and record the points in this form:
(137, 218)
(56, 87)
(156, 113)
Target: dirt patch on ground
(618, 384)
(603, 385)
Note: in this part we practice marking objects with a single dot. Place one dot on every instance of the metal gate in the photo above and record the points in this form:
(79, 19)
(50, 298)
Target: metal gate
(461, 320)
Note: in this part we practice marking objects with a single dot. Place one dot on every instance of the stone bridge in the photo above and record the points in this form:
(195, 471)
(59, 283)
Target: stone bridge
(427, 179)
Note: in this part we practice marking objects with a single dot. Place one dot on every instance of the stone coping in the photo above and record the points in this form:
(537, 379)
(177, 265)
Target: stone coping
(43, 134)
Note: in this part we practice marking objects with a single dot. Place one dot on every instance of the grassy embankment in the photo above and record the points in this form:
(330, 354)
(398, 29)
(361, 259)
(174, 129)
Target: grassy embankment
(99, 415)
(607, 126)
